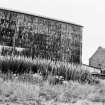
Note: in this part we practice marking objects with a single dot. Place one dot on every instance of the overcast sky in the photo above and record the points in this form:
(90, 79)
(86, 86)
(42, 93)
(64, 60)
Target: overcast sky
(88, 13)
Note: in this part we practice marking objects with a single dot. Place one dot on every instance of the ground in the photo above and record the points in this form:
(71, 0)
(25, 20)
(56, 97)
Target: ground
(17, 92)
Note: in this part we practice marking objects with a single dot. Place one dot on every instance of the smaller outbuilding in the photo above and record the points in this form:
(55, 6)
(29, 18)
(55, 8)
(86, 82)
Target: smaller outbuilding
(98, 59)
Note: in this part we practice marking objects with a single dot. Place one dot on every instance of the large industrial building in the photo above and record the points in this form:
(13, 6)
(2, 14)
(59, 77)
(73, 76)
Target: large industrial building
(51, 38)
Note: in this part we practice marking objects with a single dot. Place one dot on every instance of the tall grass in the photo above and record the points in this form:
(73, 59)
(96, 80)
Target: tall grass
(18, 91)
(21, 64)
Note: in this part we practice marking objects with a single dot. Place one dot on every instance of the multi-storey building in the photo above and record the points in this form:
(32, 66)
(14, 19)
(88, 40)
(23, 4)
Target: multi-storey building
(51, 38)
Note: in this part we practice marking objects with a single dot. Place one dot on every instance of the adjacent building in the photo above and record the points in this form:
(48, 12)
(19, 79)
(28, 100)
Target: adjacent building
(51, 38)
(98, 59)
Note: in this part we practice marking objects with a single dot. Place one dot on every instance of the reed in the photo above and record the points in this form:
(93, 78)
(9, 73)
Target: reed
(21, 64)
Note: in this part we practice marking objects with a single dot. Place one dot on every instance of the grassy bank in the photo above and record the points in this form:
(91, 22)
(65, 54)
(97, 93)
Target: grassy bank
(24, 89)
(25, 93)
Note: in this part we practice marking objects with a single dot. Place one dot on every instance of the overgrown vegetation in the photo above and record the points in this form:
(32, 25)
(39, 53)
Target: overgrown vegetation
(20, 65)
(43, 93)
(28, 81)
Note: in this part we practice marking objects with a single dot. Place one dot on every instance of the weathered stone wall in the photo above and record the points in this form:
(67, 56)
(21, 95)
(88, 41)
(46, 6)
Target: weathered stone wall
(50, 38)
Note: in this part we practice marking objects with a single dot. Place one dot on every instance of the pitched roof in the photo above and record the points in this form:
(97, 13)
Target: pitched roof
(99, 50)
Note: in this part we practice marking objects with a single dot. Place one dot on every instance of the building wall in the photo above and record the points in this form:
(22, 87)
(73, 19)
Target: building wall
(50, 38)
(98, 59)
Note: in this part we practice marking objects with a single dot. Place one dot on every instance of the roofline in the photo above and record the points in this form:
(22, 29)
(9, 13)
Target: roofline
(44, 17)
(95, 52)
(91, 66)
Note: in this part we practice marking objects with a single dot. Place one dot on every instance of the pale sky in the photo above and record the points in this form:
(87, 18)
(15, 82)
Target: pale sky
(88, 13)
